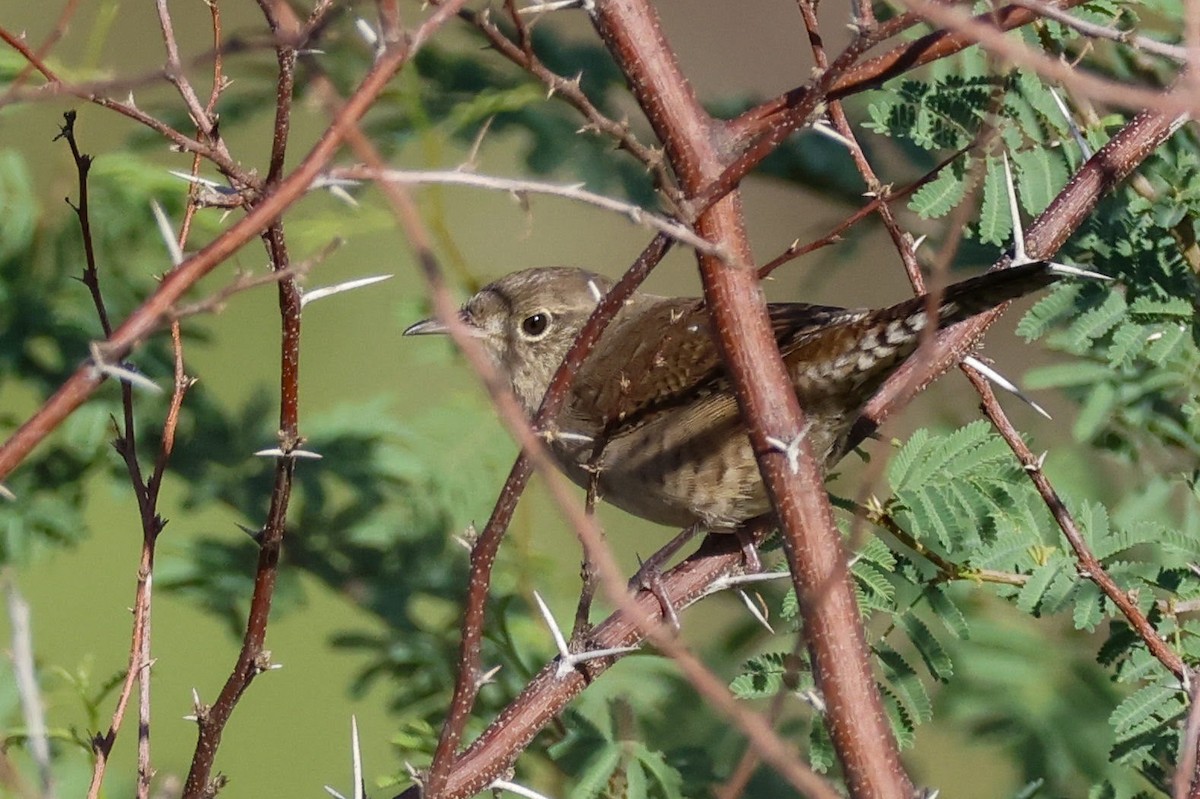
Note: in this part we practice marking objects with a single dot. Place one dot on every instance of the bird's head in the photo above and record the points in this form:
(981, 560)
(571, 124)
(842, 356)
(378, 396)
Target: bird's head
(526, 322)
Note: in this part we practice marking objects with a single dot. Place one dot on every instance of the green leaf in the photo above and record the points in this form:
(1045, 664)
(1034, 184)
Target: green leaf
(1030, 595)
(19, 210)
(948, 613)
(1089, 607)
(995, 221)
(936, 659)
(1157, 698)
(1041, 174)
(939, 196)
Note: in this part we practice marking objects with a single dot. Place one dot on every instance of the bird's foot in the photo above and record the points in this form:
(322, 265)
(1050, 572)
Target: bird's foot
(751, 562)
(649, 574)
(651, 580)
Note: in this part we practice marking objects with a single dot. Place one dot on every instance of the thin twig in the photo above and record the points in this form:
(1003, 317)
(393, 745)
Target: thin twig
(521, 53)
(1185, 782)
(574, 192)
(1095, 30)
(253, 658)
(33, 709)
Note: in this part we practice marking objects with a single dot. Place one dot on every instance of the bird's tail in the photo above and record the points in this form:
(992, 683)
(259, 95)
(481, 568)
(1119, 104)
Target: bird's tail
(978, 294)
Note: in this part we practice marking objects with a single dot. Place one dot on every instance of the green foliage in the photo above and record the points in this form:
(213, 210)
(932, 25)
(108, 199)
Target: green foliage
(612, 759)
(951, 111)
(962, 498)
(1137, 361)
(47, 321)
(1134, 370)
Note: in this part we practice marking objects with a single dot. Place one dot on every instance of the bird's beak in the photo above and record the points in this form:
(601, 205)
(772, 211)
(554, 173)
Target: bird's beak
(426, 327)
(434, 326)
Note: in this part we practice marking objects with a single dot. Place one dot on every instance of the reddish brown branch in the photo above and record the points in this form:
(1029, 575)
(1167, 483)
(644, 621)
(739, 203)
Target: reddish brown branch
(797, 250)
(498, 747)
(856, 721)
(521, 53)
(92, 95)
(253, 657)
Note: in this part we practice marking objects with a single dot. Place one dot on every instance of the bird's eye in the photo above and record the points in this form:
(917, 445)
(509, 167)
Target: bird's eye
(535, 325)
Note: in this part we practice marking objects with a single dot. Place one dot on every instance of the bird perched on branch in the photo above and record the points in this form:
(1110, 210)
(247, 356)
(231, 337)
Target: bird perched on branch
(652, 417)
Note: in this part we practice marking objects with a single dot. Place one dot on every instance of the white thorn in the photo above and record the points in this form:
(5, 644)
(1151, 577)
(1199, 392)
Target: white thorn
(568, 664)
(276, 452)
(349, 285)
(567, 661)
(103, 367)
(556, 5)
(1019, 256)
(919, 241)
(327, 181)
(199, 181)
(814, 700)
(823, 127)
(1076, 133)
(595, 290)
(1074, 271)
(7, 494)
(341, 194)
(756, 611)
(790, 449)
(1003, 382)
(560, 643)
(729, 581)
(512, 787)
(559, 435)
(489, 676)
(127, 376)
(167, 232)
(359, 790)
(367, 32)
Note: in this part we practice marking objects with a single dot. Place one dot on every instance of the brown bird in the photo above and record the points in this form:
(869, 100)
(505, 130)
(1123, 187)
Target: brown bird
(652, 411)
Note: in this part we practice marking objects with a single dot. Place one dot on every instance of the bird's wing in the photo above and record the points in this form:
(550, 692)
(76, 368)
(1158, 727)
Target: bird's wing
(660, 354)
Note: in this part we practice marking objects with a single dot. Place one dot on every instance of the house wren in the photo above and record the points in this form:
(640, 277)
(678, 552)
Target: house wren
(652, 413)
